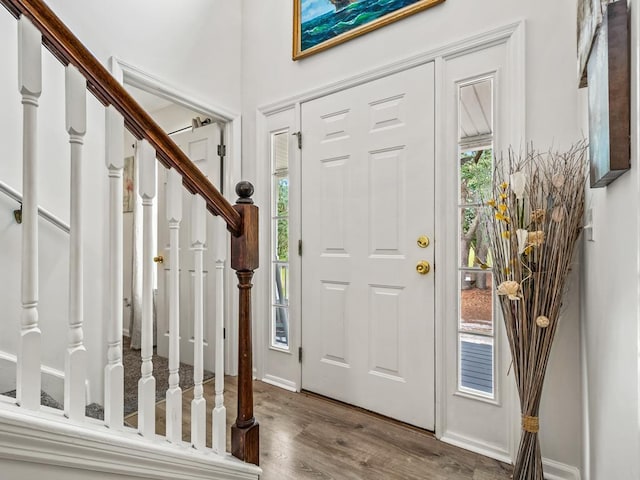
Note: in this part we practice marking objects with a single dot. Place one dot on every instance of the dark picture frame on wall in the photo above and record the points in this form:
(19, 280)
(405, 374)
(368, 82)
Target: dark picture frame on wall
(322, 24)
(608, 79)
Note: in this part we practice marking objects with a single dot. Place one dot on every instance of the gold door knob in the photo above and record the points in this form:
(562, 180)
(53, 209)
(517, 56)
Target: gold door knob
(158, 259)
(423, 267)
(423, 241)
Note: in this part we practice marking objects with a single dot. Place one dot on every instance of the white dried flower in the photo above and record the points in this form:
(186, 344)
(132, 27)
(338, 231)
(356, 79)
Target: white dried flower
(542, 321)
(518, 184)
(558, 180)
(510, 288)
(558, 214)
(523, 236)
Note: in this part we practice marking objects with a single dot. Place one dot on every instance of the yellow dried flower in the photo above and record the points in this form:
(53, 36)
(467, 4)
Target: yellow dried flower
(528, 250)
(506, 234)
(504, 185)
(491, 203)
(538, 216)
(503, 196)
(502, 208)
(500, 216)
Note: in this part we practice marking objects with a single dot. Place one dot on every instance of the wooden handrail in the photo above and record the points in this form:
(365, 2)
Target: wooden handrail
(66, 47)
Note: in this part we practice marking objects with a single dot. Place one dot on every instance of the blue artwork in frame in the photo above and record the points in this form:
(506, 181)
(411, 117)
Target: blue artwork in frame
(321, 24)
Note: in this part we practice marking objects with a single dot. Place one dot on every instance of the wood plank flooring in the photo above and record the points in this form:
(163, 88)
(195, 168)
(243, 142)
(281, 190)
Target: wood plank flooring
(303, 436)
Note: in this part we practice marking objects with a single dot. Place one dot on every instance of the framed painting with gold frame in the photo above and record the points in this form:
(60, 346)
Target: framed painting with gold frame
(322, 24)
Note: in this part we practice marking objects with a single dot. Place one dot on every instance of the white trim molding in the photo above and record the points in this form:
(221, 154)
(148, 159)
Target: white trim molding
(559, 471)
(280, 382)
(52, 379)
(483, 448)
(513, 31)
(46, 438)
(552, 470)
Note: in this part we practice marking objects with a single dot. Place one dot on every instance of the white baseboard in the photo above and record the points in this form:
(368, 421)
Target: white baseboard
(47, 438)
(488, 450)
(552, 470)
(52, 379)
(559, 471)
(280, 382)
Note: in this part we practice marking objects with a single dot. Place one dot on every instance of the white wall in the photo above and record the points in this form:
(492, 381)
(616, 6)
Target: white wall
(610, 311)
(194, 49)
(269, 75)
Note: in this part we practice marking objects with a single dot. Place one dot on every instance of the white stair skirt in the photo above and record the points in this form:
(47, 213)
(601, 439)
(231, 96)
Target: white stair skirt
(47, 444)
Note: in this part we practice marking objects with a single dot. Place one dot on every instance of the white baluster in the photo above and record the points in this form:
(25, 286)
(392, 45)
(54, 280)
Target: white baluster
(174, 393)
(75, 365)
(198, 404)
(114, 370)
(30, 83)
(220, 412)
(147, 169)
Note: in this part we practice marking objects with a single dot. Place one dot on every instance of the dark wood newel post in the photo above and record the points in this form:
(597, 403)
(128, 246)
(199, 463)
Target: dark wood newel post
(245, 438)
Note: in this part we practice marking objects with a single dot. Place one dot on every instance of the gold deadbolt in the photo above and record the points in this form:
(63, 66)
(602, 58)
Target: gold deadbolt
(158, 259)
(423, 241)
(423, 267)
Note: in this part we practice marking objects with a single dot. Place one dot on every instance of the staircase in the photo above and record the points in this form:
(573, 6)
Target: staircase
(37, 439)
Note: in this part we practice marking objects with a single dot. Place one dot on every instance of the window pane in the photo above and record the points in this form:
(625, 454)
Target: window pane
(281, 285)
(280, 327)
(475, 176)
(476, 110)
(476, 302)
(281, 151)
(281, 240)
(476, 363)
(282, 196)
(474, 239)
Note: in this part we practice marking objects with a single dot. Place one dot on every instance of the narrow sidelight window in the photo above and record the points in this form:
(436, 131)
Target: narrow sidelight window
(280, 240)
(476, 355)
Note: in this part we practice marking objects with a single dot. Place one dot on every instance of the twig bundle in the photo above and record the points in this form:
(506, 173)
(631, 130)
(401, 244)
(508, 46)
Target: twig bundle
(536, 218)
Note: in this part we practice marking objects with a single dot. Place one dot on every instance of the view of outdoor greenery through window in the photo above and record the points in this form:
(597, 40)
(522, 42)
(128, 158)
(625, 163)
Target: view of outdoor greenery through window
(280, 235)
(476, 295)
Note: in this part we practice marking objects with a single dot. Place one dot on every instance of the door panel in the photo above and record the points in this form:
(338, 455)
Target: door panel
(200, 146)
(367, 195)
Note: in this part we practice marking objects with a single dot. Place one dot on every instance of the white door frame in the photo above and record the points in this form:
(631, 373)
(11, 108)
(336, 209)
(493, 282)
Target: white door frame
(512, 35)
(131, 75)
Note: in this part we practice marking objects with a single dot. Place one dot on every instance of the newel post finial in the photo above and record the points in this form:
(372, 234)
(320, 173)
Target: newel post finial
(244, 190)
(245, 439)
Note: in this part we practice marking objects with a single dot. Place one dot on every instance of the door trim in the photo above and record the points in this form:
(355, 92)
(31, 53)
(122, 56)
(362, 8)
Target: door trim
(128, 74)
(513, 35)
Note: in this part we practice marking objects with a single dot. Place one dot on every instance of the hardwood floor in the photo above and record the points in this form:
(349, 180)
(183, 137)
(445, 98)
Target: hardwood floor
(303, 436)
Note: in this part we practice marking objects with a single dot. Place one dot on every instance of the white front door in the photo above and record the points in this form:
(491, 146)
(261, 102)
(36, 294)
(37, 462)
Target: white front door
(367, 196)
(200, 146)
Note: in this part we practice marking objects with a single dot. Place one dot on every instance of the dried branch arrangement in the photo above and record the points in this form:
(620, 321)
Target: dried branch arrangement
(535, 220)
